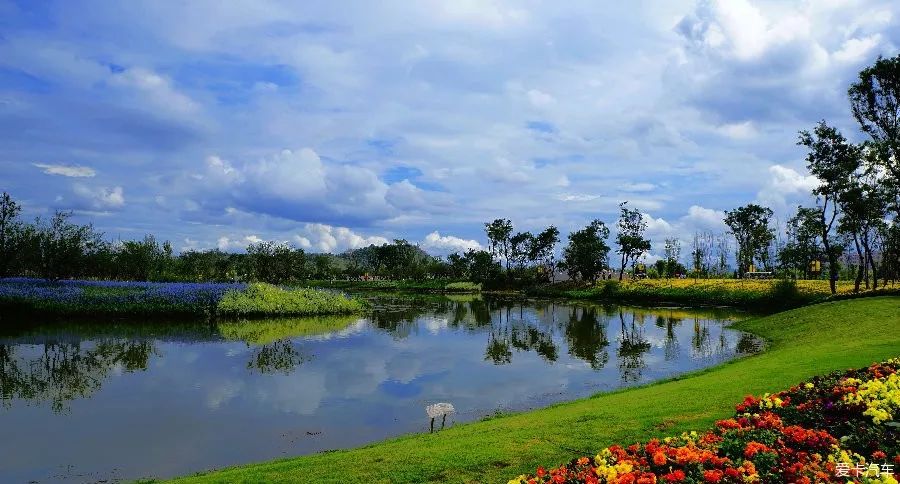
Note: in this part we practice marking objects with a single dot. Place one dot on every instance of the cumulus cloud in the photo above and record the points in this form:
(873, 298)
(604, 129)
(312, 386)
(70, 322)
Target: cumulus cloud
(435, 243)
(231, 244)
(785, 184)
(298, 185)
(73, 171)
(326, 238)
(98, 198)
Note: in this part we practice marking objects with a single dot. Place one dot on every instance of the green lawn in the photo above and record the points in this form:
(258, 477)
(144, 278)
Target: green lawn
(802, 342)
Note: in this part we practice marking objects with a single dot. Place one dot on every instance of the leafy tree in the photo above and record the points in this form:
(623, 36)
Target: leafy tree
(875, 102)
(865, 205)
(831, 159)
(750, 227)
(60, 247)
(10, 233)
(275, 262)
(520, 248)
(587, 254)
(671, 252)
(498, 233)
(481, 266)
(803, 244)
(630, 236)
(140, 260)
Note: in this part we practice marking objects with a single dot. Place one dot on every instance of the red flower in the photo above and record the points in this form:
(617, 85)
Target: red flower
(675, 476)
(712, 475)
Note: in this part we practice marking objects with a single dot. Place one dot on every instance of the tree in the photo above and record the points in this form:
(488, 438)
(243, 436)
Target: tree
(498, 234)
(803, 244)
(275, 262)
(672, 253)
(586, 255)
(61, 247)
(520, 248)
(750, 227)
(140, 260)
(875, 102)
(831, 159)
(542, 248)
(630, 236)
(865, 203)
(10, 233)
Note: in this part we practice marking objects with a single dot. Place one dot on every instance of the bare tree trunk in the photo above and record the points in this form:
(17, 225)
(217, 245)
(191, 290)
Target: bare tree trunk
(862, 264)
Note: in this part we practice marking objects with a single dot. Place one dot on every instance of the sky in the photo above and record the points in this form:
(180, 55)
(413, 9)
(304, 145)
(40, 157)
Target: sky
(335, 125)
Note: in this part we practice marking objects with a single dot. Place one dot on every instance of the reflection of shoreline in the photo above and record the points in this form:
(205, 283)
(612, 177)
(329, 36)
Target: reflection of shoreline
(543, 328)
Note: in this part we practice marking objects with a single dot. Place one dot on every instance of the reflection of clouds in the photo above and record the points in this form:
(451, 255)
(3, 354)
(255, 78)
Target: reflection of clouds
(219, 392)
(404, 367)
(434, 325)
(300, 393)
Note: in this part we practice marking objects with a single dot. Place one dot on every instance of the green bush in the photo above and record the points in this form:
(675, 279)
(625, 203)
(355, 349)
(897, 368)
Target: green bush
(260, 299)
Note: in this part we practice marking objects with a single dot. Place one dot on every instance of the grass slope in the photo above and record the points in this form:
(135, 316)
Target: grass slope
(803, 342)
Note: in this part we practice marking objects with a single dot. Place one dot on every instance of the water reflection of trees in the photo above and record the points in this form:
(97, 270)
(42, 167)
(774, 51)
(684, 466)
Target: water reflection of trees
(276, 357)
(587, 337)
(633, 345)
(57, 373)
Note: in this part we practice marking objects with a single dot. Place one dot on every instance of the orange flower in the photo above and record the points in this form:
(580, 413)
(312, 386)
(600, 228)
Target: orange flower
(659, 458)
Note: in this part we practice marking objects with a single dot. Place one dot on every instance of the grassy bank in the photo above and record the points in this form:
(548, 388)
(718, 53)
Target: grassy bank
(769, 294)
(268, 300)
(125, 299)
(802, 342)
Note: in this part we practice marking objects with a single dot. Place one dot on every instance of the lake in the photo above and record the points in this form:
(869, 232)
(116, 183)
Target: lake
(106, 400)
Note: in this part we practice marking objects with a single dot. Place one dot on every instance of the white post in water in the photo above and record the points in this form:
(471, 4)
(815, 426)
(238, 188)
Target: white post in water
(439, 410)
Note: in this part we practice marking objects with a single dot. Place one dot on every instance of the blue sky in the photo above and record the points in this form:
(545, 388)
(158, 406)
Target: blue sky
(333, 125)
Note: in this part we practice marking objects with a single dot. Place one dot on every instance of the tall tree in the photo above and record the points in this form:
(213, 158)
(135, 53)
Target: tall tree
(630, 237)
(803, 245)
(751, 230)
(9, 233)
(498, 233)
(672, 254)
(832, 160)
(61, 247)
(586, 255)
(875, 102)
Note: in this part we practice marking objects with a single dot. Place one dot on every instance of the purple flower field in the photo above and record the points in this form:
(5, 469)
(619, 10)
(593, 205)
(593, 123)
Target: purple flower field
(81, 296)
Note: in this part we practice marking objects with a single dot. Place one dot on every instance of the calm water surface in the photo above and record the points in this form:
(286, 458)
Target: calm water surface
(91, 401)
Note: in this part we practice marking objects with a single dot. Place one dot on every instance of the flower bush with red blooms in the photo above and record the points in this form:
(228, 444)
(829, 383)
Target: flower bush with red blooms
(801, 435)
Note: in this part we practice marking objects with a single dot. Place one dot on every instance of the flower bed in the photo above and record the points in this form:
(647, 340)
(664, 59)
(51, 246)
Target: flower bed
(78, 297)
(840, 427)
(115, 297)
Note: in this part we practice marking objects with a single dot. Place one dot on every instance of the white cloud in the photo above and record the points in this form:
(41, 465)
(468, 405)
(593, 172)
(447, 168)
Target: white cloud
(785, 183)
(326, 238)
(436, 243)
(228, 244)
(157, 89)
(99, 198)
(66, 170)
(742, 130)
(702, 218)
(540, 99)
